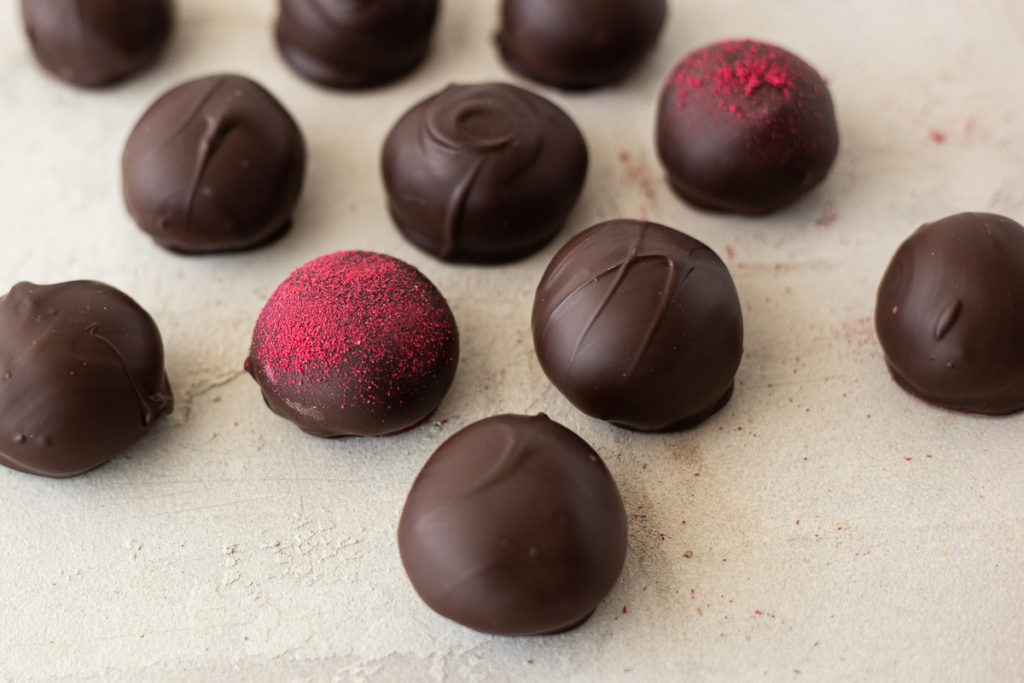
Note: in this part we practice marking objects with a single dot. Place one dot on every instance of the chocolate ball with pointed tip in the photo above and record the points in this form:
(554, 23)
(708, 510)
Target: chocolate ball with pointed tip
(640, 325)
(483, 173)
(950, 314)
(745, 127)
(94, 43)
(514, 527)
(578, 44)
(216, 164)
(355, 43)
(81, 376)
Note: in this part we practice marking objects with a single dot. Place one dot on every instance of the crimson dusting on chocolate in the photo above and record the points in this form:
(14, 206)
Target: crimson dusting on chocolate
(746, 127)
(355, 343)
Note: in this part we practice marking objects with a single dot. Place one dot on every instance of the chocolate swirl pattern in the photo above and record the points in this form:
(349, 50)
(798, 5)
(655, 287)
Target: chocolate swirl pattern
(83, 376)
(216, 164)
(483, 173)
(640, 325)
(514, 526)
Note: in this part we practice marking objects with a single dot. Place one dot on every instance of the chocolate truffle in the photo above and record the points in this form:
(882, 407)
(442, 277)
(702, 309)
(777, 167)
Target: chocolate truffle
(354, 344)
(514, 527)
(216, 164)
(81, 376)
(577, 44)
(483, 173)
(640, 325)
(97, 42)
(355, 43)
(745, 127)
(950, 314)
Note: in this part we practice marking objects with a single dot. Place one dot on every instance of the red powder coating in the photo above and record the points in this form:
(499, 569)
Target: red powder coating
(739, 74)
(361, 311)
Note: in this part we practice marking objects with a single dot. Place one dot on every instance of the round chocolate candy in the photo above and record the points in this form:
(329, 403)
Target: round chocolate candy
(97, 42)
(355, 43)
(216, 164)
(577, 44)
(640, 325)
(81, 376)
(483, 173)
(354, 344)
(745, 127)
(514, 527)
(950, 314)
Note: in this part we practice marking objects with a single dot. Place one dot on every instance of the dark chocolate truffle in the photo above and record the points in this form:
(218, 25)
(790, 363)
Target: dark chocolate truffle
(81, 376)
(745, 127)
(355, 43)
(97, 42)
(216, 164)
(950, 314)
(354, 344)
(577, 44)
(483, 173)
(640, 325)
(514, 527)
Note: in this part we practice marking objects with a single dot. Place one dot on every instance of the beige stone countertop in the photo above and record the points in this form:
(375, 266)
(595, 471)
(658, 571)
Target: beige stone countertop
(824, 526)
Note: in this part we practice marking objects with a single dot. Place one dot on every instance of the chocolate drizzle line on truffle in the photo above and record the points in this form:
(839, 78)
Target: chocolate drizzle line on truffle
(216, 164)
(514, 527)
(83, 376)
(152, 404)
(950, 314)
(620, 331)
(483, 173)
(480, 125)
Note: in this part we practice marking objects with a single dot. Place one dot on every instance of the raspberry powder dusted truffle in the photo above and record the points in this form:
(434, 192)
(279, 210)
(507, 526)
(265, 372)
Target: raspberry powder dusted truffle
(354, 344)
(745, 127)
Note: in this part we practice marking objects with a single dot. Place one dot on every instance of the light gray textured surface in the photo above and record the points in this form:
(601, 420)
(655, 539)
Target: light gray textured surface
(824, 526)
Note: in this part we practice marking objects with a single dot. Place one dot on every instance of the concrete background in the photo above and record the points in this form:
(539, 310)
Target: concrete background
(824, 526)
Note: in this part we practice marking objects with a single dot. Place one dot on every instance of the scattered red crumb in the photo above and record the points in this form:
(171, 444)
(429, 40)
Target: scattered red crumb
(937, 136)
(908, 459)
(730, 253)
(638, 174)
(372, 315)
(828, 217)
(624, 610)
